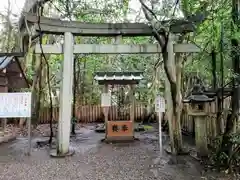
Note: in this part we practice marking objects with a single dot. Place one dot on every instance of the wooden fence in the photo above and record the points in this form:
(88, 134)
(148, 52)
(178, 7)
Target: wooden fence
(90, 113)
(188, 125)
(94, 113)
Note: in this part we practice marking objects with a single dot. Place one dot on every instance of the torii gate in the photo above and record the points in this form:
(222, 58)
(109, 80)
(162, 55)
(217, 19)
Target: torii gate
(69, 29)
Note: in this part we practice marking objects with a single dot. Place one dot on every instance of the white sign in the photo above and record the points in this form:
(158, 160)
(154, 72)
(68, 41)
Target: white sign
(159, 108)
(106, 99)
(160, 104)
(15, 105)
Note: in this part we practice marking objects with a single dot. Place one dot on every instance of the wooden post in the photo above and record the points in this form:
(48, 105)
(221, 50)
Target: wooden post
(201, 135)
(160, 131)
(105, 112)
(29, 136)
(4, 88)
(30, 125)
(132, 109)
(159, 109)
(214, 118)
(65, 113)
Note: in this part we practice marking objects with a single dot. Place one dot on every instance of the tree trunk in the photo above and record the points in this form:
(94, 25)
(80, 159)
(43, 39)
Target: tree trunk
(74, 96)
(227, 145)
(83, 83)
(174, 104)
(10, 28)
(173, 93)
(179, 101)
(35, 91)
(79, 84)
(169, 114)
(9, 31)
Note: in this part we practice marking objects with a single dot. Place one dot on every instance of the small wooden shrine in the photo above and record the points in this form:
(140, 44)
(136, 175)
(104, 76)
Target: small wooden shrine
(122, 86)
(12, 79)
(12, 76)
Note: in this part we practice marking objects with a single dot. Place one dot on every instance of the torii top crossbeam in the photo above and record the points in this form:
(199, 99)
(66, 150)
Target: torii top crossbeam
(56, 26)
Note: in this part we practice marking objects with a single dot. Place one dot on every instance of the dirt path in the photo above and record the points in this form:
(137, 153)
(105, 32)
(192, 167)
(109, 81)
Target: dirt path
(96, 161)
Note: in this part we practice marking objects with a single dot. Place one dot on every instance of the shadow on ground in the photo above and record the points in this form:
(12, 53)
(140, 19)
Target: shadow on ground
(94, 160)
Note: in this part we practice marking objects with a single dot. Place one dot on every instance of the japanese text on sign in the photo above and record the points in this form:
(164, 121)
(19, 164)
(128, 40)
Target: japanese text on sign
(160, 104)
(15, 105)
(116, 128)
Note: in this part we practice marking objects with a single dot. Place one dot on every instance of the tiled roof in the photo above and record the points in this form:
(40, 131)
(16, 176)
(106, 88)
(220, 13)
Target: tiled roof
(102, 76)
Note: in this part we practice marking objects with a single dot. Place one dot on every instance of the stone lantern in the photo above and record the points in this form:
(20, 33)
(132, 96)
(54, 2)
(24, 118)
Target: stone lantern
(198, 106)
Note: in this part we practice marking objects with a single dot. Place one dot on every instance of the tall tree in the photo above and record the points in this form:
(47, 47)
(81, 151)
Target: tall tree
(173, 77)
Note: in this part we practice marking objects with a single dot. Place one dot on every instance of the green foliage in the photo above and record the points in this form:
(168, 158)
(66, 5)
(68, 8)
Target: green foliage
(207, 36)
(221, 157)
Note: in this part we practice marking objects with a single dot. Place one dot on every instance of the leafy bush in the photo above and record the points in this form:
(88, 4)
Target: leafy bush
(226, 152)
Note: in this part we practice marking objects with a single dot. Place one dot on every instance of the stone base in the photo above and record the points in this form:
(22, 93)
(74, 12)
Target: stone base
(53, 153)
(168, 150)
(119, 139)
(100, 130)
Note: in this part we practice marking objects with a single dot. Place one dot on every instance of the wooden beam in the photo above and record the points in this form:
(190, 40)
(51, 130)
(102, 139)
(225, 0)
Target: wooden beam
(57, 26)
(93, 31)
(15, 54)
(116, 49)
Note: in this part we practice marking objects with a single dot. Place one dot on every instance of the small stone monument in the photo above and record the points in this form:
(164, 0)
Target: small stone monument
(198, 107)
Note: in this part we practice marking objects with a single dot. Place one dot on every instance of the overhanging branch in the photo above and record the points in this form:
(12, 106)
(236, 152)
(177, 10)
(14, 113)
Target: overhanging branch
(151, 20)
(162, 40)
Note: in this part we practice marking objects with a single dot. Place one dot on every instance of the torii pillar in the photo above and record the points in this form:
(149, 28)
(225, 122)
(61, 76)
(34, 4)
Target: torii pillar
(66, 96)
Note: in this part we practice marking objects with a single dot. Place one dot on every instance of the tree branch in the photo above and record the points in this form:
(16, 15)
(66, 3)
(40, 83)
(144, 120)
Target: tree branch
(151, 20)
(162, 39)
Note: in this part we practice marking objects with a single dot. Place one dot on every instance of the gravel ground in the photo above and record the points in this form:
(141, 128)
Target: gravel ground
(94, 160)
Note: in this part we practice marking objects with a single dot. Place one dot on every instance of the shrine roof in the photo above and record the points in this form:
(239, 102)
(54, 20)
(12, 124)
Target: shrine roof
(12, 68)
(116, 76)
(4, 61)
